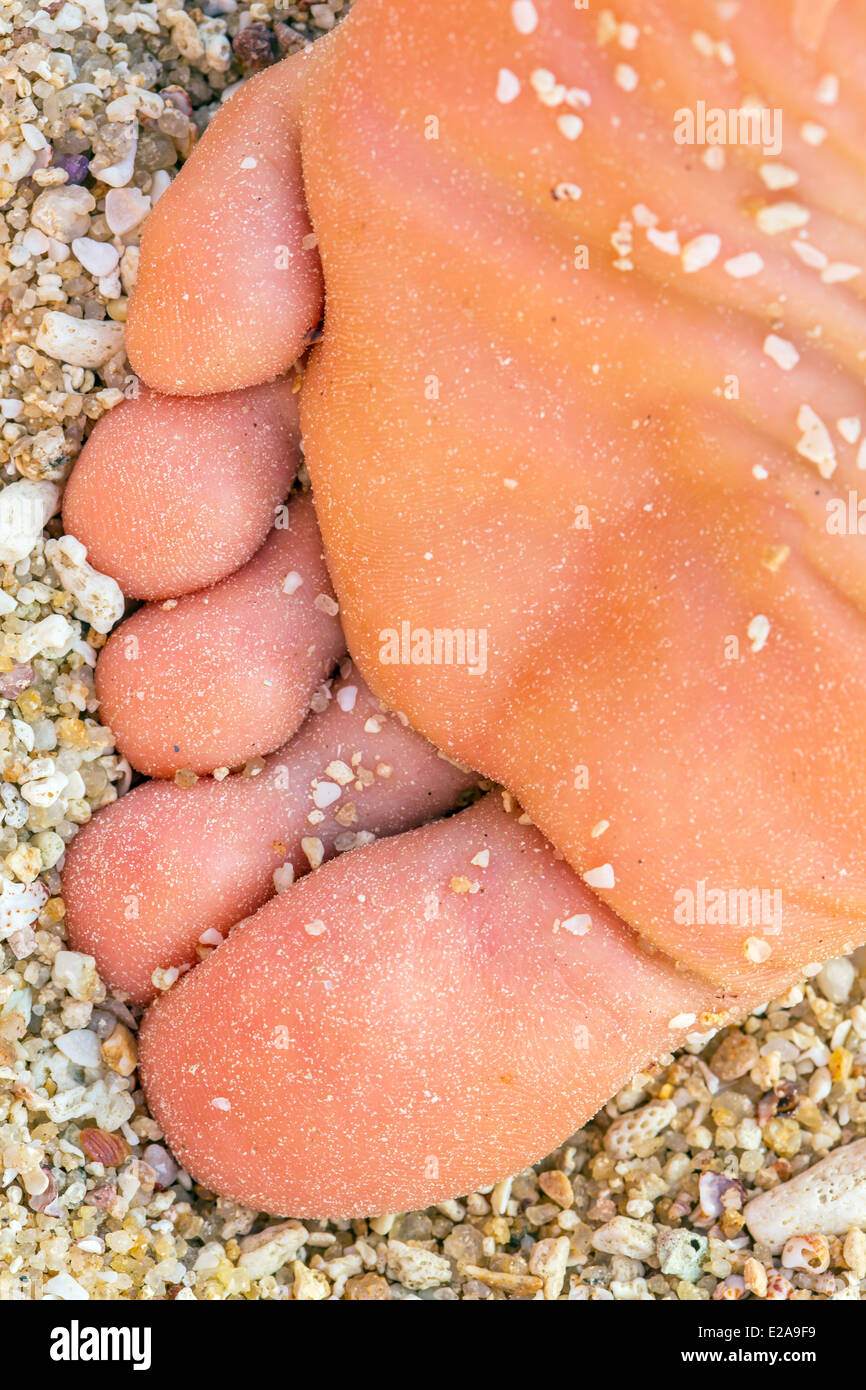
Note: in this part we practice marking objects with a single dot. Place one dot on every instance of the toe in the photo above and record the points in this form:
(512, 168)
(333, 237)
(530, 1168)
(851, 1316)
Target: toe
(171, 495)
(220, 676)
(160, 876)
(384, 1036)
(230, 283)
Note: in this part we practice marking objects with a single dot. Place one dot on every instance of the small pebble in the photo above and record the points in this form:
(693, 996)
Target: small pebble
(836, 980)
(125, 208)
(828, 1199)
(735, 1056)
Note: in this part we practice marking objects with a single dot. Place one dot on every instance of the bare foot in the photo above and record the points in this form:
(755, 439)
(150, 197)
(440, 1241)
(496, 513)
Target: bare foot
(613, 460)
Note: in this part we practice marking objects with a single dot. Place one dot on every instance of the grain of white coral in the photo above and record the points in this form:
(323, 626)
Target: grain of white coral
(668, 242)
(524, 16)
(815, 443)
(758, 631)
(743, 266)
(99, 600)
(416, 1268)
(507, 86)
(829, 1198)
(626, 1136)
(701, 251)
(51, 634)
(63, 213)
(267, 1251)
(570, 125)
(601, 877)
(25, 507)
(782, 217)
(79, 342)
(626, 1236)
(20, 905)
(781, 351)
(778, 176)
(577, 925)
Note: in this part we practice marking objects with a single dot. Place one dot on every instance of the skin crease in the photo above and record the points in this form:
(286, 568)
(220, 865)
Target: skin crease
(197, 483)
(618, 579)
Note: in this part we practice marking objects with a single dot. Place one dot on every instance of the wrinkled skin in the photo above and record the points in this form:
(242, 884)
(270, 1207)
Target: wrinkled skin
(599, 466)
(607, 647)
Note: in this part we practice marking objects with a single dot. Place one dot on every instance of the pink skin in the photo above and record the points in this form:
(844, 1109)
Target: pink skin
(359, 1062)
(227, 673)
(231, 236)
(428, 1039)
(169, 863)
(171, 495)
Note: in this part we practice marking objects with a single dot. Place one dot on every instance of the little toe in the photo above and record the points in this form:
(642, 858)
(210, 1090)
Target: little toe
(171, 495)
(220, 676)
(230, 282)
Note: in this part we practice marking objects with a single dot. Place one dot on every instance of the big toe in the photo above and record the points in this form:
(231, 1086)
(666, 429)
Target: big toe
(416, 1018)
